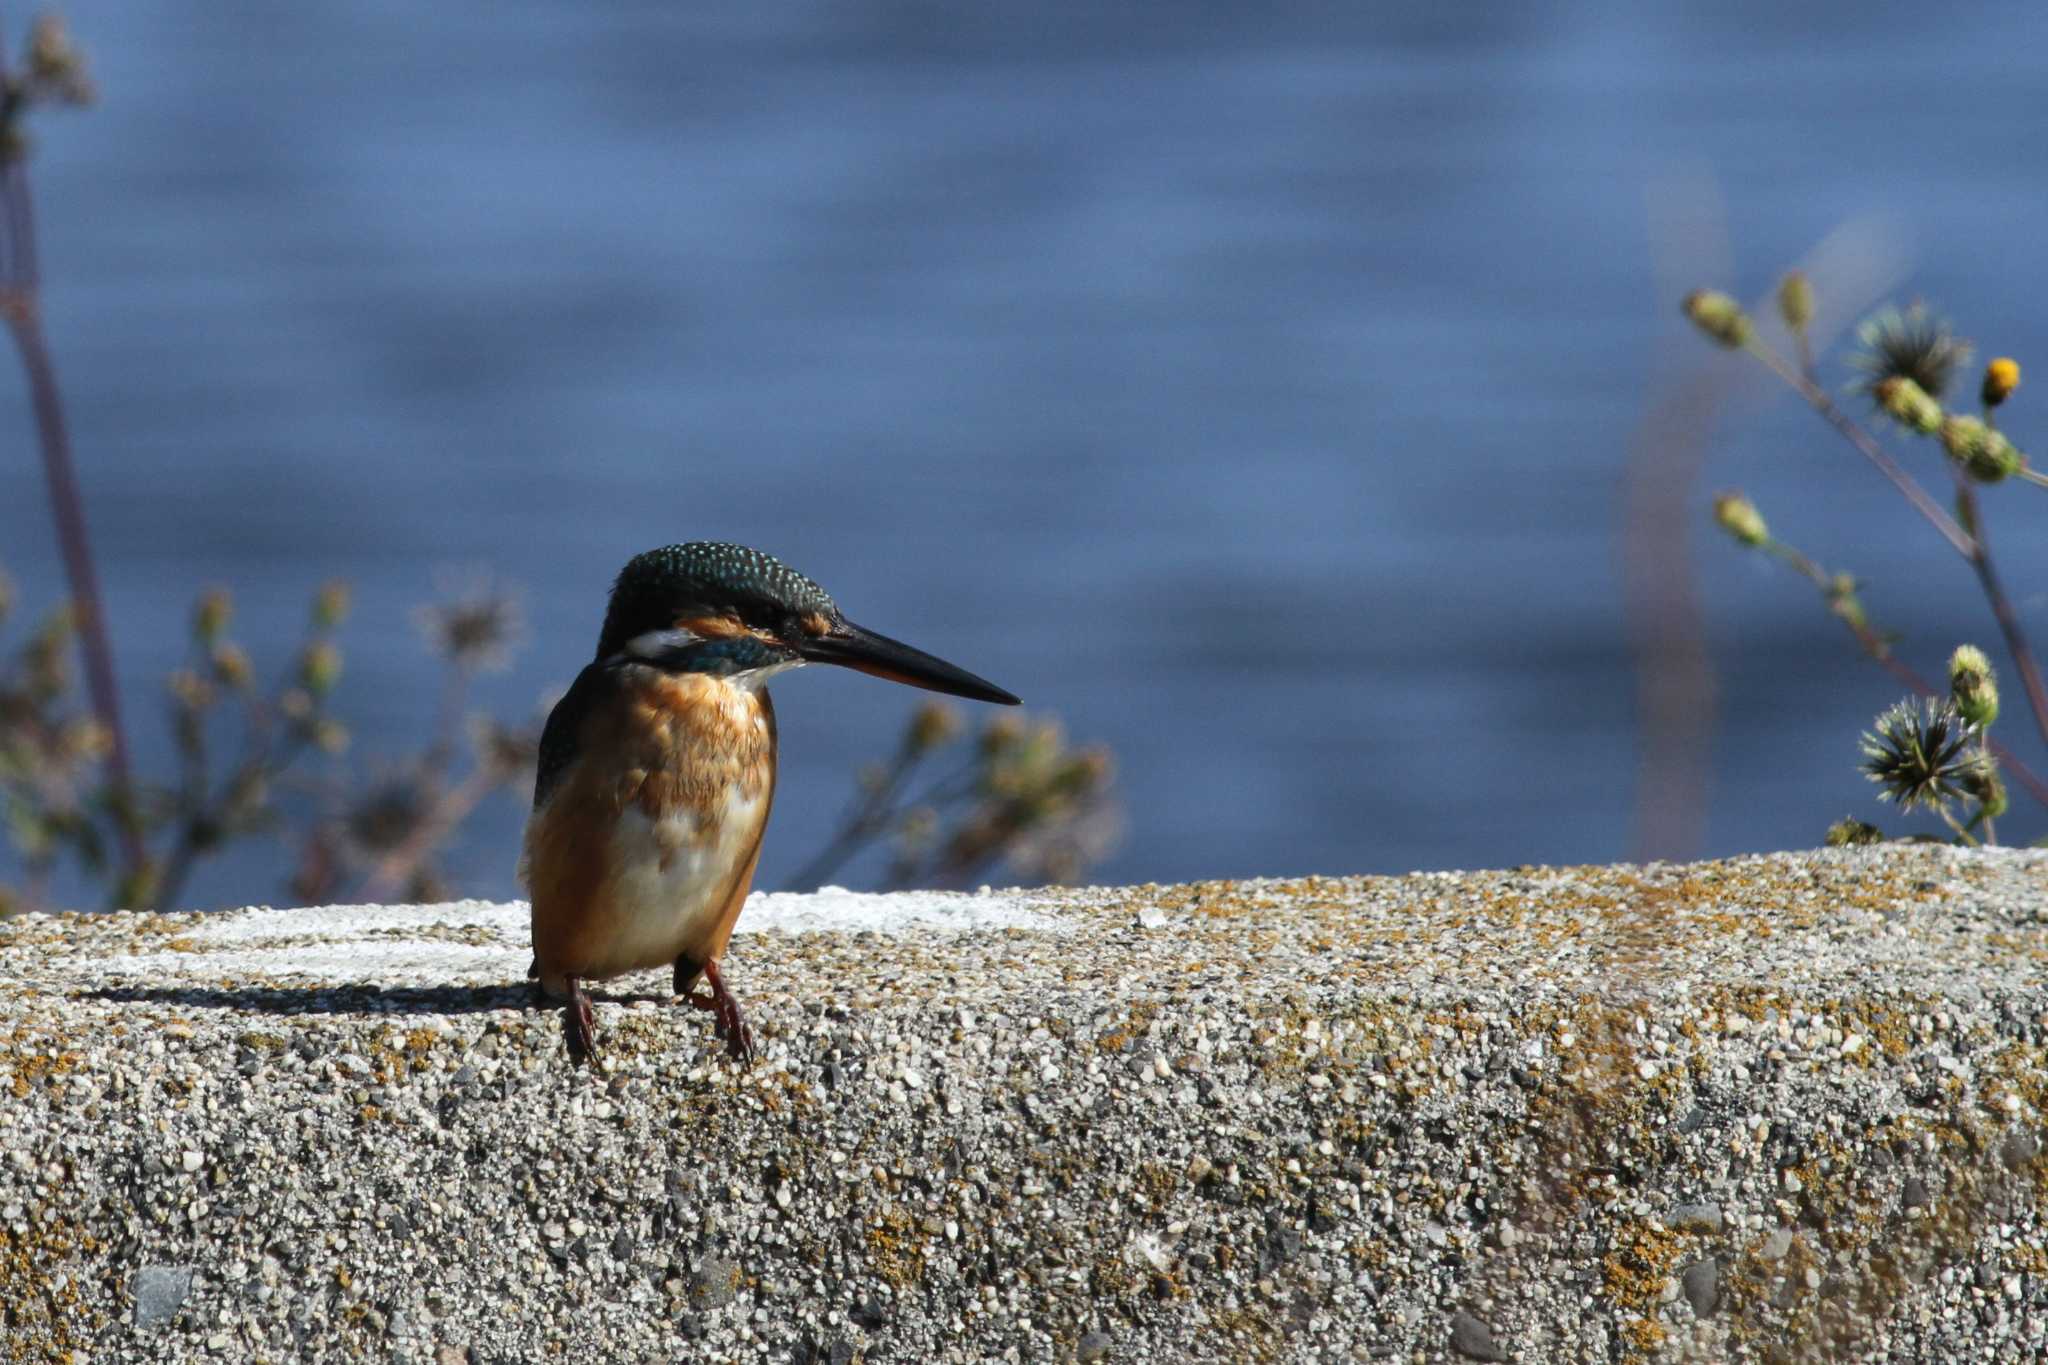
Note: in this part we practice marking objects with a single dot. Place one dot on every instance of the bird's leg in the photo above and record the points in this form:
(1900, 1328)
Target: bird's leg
(579, 1024)
(739, 1039)
(725, 1010)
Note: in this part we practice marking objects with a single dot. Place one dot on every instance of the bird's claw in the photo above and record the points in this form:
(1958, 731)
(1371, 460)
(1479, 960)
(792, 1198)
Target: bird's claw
(579, 1024)
(727, 1021)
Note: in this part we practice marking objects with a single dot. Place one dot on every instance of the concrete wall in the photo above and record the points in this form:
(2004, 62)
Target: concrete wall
(1783, 1108)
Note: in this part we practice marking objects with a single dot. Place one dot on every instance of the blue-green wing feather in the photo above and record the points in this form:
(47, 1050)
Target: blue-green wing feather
(561, 737)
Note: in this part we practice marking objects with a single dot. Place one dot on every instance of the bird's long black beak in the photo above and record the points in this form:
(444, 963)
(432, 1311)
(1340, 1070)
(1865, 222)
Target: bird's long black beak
(852, 646)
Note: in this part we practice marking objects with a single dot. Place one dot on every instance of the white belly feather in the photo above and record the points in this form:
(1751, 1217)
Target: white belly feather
(673, 883)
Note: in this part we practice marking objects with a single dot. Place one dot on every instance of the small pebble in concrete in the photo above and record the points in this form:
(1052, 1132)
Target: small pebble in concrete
(1702, 1284)
(1092, 1347)
(713, 1283)
(160, 1292)
(1473, 1339)
(2019, 1149)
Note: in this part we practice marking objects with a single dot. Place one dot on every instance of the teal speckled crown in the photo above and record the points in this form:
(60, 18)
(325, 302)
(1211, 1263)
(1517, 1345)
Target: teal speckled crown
(709, 576)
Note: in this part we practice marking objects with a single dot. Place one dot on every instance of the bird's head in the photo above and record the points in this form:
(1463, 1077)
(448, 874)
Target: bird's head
(716, 608)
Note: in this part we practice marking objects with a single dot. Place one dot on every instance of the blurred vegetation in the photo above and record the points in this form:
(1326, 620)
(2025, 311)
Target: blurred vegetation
(1932, 751)
(1017, 795)
(242, 749)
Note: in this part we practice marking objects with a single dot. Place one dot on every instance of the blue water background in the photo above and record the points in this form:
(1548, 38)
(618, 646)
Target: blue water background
(1251, 386)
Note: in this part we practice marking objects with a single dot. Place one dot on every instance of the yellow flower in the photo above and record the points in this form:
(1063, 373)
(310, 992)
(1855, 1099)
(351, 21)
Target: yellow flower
(2001, 377)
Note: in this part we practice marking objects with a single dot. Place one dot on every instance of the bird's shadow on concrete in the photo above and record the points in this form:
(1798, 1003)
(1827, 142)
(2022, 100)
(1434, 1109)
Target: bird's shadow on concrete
(365, 998)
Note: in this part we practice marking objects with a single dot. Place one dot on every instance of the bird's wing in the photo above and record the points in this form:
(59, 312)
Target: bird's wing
(564, 730)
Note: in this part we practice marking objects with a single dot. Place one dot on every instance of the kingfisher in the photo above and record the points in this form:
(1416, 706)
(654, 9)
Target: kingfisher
(657, 771)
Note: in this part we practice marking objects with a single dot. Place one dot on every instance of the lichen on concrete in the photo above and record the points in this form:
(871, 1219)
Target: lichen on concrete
(1777, 1109)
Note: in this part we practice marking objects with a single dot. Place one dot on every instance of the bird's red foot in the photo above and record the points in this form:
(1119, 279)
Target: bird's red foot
(725, 1010)
(579, 1024)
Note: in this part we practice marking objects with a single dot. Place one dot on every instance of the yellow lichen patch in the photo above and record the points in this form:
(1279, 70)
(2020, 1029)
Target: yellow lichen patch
(1137, 1017)
(32, 1059)
(43, 1314)
(896, 1247)
(1640, 1259)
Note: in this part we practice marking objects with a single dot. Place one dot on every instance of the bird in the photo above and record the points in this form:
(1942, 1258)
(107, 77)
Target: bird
(656, 771)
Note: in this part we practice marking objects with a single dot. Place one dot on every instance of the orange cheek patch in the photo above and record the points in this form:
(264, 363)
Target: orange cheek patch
(712, 627)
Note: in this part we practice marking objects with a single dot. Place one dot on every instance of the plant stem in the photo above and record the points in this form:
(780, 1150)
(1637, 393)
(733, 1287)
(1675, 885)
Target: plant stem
(454, 806)
(1880, 650)
(1990, 825)
(1970, 544)
(20, 301)
(2001, 606)
(1867, 445)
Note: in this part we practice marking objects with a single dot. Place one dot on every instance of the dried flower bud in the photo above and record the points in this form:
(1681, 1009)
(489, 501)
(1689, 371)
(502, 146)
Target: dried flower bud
(320, 667)
(1984, 786)
(46, 662)
(231, 666)
(1719, 316)
(1000, 734)
(56, 66)
(935, 724)
(1849, 832)
(1097, 766)
(1972, 685)
(1738, 516)
(2001, 377)
(211, 614)
(330, 604)
(1981, 450)
(1968, 662)
(1906, 403)
(919, 827)
(84, 740)
(504, 749)
(330, 736)
(190, 691)
(295, 704)
(1795, 301)
(138, 889)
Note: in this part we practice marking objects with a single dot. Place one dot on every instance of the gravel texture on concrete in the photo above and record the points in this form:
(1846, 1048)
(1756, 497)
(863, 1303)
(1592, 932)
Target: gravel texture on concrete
(1775, 1108)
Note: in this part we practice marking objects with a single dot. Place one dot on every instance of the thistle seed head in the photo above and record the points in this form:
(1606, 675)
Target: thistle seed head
(1921, 753)
(1906, 403)
(1913, 344)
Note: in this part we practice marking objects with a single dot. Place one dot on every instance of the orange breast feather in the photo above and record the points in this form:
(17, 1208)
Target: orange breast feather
(646, 849)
